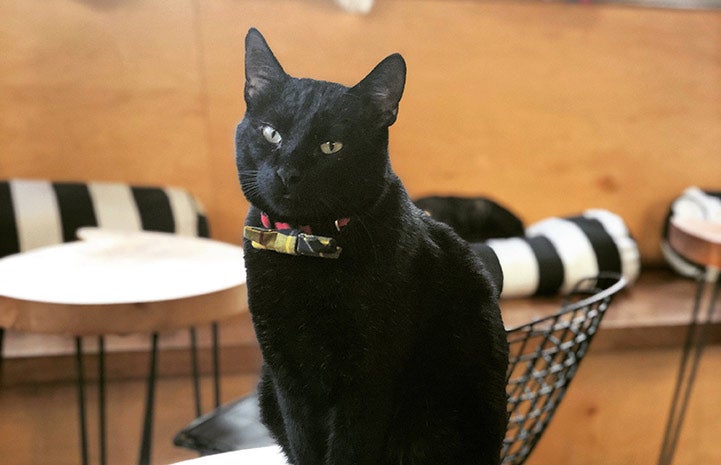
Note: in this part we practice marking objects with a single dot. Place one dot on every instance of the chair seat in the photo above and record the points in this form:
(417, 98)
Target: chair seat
(232, 426)
(544, 356)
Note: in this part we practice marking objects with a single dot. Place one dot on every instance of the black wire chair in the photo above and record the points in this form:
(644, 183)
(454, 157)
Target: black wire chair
(544, 357)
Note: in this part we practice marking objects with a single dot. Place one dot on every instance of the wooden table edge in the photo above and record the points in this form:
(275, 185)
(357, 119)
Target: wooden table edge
(122, 318)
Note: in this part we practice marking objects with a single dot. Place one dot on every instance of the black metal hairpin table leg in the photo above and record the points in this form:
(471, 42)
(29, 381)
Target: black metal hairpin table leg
(696, 338)
(81, 400)
(147, 438)
(195, 369)
(101, 401)
(216, 364)
(215, 348)
(2, 357)
(147, 435)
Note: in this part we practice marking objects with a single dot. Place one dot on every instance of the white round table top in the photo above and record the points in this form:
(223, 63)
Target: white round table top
(114, 267)
(709, 231)
(697, 240)
(259, 456)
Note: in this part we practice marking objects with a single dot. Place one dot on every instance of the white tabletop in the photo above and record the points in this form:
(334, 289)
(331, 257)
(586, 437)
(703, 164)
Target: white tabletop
(699, 241)
(706, 230)
(113, 267)
(260, 456)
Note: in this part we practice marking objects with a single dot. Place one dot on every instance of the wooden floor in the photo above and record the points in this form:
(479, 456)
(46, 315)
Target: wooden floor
(615, 411)
(38, 424)
(613, 414)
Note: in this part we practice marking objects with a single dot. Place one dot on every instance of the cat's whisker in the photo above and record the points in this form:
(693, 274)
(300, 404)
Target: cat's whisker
(249, 182)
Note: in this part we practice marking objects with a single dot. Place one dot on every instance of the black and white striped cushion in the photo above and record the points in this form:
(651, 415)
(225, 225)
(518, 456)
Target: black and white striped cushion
(693, 203)
(558, 252)
(37, 213)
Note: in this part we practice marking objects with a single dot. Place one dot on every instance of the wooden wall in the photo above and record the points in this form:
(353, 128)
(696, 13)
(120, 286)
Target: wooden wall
(550, 108)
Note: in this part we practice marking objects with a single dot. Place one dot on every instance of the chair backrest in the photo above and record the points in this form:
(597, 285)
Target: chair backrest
(544, 357)
(37, 213)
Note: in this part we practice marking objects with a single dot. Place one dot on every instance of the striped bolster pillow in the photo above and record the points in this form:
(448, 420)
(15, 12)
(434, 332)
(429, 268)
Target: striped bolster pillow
(693, 203)
(556, 253)
(37, 213)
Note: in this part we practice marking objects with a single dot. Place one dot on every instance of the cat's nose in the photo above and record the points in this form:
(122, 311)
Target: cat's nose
(288, 176)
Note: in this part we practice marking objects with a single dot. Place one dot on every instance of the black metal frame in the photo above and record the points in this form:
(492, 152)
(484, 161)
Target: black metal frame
(2, 356)
(544, 357)
(707, 293)
(148, 416)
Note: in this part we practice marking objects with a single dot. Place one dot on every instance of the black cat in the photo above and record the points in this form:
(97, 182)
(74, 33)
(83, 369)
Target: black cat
(380, 330)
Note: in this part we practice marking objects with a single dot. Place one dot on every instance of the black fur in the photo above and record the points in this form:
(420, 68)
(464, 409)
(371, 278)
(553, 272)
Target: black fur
(394, 353)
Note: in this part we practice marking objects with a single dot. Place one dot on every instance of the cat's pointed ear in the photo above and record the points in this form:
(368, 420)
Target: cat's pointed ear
(262, 70)
(383, 87)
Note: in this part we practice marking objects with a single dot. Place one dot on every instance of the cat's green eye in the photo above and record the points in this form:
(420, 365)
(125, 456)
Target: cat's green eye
(271, 135)
(331, 147)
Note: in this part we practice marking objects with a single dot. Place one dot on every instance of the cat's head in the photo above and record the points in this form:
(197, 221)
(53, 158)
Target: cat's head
(310, 150)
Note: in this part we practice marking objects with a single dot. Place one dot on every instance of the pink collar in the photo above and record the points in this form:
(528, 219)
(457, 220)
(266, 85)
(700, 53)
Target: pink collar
(265, 220)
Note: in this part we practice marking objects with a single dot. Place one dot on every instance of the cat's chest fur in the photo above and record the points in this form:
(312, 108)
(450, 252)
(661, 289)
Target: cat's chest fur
(318, 318)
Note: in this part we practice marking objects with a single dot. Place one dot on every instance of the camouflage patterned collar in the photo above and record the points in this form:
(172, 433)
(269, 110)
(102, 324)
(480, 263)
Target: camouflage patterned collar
(267, 223)
(293, 241)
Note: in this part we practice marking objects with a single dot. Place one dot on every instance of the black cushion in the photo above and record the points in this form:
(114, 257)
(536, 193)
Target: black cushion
(232, 426)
